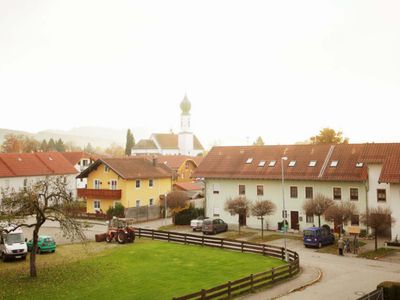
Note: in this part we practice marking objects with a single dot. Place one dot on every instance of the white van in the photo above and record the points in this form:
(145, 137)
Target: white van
(12, 244)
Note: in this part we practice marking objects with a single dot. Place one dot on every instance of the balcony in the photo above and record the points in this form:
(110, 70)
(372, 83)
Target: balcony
(99, 194)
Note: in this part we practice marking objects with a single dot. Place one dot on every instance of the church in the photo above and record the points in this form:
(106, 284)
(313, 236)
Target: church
(183, 143)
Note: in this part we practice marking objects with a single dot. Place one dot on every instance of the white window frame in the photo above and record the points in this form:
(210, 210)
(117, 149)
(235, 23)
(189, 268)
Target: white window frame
(95, 206)
(272, 163)
(312, 163)
(106, 169)
(136, 183)
(152, 183)
(358, 193)
(216, 188)
(249, 160)
(95, 186)
(111, 184)
(334, 163)
(292, 163)
(333, 193)
(261, 163)
(136, 203)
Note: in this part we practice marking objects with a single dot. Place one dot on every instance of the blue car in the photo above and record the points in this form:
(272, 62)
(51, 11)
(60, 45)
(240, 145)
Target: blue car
(318, 236)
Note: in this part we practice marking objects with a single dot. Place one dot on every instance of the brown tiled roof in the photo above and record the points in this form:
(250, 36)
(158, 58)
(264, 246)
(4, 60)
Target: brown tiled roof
(34, 164)
(170, 141)
(174, 161)
(230, 162)
(189, 186)
(145, 144)
(130, 168)
(75, 157)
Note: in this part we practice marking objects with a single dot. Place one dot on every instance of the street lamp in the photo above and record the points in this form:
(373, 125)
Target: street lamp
(284, 209)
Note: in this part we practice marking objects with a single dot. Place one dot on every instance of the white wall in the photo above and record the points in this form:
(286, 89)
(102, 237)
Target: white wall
(185, 141)
(273, 192)
(395, 207)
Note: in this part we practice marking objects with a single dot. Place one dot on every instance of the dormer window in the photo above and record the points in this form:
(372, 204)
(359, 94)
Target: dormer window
(50, 158)
(106, 168)
(249, 160)
(334, 163)
(312, 163)
(292, 163)
(261, 163)
(359, 165)
(272, 163)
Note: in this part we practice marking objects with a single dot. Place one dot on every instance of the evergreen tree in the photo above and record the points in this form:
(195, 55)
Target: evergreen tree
(259, 142)
(89, 148)
(51, 145)
(130, 142)
(60, 146)
(43, 146)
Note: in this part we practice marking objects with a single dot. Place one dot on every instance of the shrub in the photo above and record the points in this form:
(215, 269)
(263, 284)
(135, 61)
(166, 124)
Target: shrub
(185, 216)
(118, 211)
(391, 290)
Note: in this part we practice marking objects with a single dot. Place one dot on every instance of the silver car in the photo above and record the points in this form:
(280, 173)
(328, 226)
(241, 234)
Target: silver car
(214, 226)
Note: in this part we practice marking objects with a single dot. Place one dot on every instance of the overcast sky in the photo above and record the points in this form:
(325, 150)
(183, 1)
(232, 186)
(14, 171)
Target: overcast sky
(279, 69)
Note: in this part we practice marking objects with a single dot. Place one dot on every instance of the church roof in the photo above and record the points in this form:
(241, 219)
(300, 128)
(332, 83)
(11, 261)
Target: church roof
(145, 144)
(170, 141)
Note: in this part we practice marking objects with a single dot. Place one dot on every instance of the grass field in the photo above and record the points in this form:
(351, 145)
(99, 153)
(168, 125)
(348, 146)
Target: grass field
(143, 270)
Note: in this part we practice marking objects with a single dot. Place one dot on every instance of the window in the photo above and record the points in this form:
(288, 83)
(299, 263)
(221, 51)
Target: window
(113, 184)
(261, 163)
(137, 183)
(242, 189)
(381, 193)
(249, 160)
(293, 192)
(355, 220)
(309, 218)
(85, 162)
(151, 182)
(96, 204)
(260, 190)
(334, 163)
(96, 184)
(151, 202)
(137, 203)
(216, 188)
(106, 169)
(312, 163)
(272, 163)
(337, 193)
(359, 165)
(309, 192)
(354, 194)
(292, 163)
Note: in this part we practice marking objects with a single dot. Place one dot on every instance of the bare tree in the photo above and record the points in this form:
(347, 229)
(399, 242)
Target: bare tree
(379, 219)
(317, 206)
(239, 205)
(176, 202)
(262, 208)
(340, 213)
(32, 206)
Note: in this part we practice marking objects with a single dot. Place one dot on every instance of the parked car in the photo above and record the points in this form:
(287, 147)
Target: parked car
(214, 226)
(197, 224)
(318, 236)
(12, 244)
(45, 244)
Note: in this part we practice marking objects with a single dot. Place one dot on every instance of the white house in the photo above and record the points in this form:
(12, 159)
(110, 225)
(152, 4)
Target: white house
(80, 160)
(366, 174)
(17, 170)
(184, 143)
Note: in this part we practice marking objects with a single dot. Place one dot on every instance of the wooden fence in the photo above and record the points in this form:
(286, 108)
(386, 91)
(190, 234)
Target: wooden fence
(240, 286)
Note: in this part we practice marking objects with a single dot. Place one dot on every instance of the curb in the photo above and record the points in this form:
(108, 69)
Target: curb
(308, 283)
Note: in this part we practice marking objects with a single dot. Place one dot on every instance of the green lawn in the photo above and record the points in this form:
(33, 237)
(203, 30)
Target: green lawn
(143, 270)
(380, 253)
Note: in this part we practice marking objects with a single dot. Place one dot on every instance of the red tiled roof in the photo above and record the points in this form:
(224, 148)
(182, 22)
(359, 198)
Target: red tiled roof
(75, 157)
(230, 162)
(34, 164)
(189, 186)
(130, 168)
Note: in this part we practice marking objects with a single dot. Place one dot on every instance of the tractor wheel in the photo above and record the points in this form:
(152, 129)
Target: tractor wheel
(108, 238)
(121, 237)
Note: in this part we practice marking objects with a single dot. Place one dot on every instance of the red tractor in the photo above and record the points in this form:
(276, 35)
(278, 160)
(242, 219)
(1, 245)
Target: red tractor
(119, 230)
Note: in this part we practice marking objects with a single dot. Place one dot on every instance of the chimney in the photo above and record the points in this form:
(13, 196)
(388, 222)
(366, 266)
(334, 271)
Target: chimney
(154, 161)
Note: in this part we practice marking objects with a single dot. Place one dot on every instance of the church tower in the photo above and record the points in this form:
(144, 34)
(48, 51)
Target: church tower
(185, 138)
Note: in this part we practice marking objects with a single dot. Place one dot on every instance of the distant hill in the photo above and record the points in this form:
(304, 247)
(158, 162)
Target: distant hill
(81, 136)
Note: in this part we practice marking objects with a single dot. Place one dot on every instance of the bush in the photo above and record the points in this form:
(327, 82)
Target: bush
(391, 290)
(118, 211)
(185, 216)
(363, 233)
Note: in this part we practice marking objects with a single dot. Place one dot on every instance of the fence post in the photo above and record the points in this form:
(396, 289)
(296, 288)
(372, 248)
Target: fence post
(202, 240)
(263, 249)
(290, 270)
(185, 240)
(272, 274)
(242, 246)
(152, 234)
(283, 253)
(203, 294)
(168, 237)
(139, 233)
(229, 289)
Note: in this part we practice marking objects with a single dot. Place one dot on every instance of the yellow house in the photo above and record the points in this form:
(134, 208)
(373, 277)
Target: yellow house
(133, 181)
(181, 166)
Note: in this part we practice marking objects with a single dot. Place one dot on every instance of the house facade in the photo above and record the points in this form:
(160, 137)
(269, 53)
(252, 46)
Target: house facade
(80, 160)
(18, 170)
(183, 143)
(368, 175)
(133, 182)
(182, 166)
